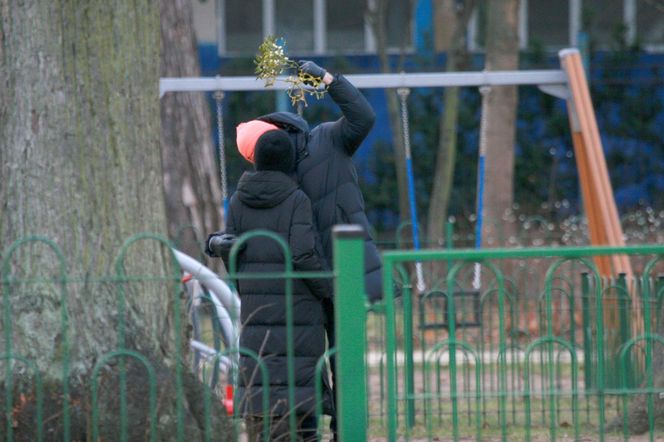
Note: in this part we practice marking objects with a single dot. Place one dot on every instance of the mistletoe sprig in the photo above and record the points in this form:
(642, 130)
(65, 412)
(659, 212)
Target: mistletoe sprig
(272, 60)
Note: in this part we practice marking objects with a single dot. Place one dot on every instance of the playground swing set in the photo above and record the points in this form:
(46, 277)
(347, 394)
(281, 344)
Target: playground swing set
(568, 83)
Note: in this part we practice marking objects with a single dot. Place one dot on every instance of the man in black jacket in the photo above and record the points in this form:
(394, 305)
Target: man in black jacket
(325, 169)
(326, 173)
(270, 199)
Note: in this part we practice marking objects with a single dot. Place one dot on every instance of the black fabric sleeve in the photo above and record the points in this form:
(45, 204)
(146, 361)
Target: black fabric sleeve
(358, 115)
(231, 230)
(303, 247)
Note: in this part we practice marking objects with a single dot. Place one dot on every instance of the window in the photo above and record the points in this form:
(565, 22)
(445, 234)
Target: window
(398, 29)
(243, 21)
(294, 22)
(604, 22)
(345, 26)
(321, 26)
(548, 23)
(650, 23)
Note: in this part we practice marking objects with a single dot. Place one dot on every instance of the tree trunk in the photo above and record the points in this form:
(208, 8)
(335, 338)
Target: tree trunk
(80, 164)
(377, 16)
(191, 177)
(453, 41)
(498, 122)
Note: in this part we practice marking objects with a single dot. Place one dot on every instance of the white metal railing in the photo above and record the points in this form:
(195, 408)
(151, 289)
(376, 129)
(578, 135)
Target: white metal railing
(553, 77)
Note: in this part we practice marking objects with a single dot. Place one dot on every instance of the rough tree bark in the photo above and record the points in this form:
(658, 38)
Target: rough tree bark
(80, 164)
(498, 124)
(451, 24)
(191, 177)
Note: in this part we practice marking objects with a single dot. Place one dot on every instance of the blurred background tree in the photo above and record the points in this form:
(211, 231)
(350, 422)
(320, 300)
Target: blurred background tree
(191, 175)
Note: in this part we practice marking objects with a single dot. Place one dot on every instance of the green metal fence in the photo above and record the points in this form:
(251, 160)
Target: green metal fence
(553, 356)
(544, 349)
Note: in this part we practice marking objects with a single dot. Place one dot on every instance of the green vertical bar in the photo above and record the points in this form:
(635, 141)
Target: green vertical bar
(600, 378)
(647, 327)
(349, 319)
(550, 366)
(587, 331)
(390, 350)
(290, 353)
(625, 329)
(587, 340)
(502, 352)
(451, 329)
(449, 235)
(449, 240)
(408, 353)
(656, 299)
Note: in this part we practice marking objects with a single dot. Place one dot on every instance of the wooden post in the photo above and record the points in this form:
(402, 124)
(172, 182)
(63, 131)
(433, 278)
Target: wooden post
(599, 202)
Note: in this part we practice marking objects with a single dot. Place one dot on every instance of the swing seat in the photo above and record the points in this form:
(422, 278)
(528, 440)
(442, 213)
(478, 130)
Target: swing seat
(467, 310)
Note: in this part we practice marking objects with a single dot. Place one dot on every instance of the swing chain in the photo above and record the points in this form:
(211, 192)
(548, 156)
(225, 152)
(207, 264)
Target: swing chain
(485, 90)
(219, 97)
(403, 93)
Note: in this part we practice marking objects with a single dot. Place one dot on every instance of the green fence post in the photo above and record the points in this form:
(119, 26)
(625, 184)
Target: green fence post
(587, 331)
(624, 309)
(658, 297)
(409, 378)
(349, 318)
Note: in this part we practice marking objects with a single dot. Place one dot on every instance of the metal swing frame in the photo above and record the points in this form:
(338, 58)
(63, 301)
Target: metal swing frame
(550, 81)
(568, 83)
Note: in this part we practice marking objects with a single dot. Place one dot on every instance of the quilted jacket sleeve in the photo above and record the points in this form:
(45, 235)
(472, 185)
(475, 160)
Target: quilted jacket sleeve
(358, 116)
(230, 230)
(302, 242)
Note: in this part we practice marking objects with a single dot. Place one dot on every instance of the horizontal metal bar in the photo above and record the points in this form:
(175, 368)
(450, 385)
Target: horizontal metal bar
(369, 81)
(534, 252)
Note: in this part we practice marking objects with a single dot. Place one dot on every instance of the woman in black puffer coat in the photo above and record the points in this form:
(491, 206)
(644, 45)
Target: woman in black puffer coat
(270, 199)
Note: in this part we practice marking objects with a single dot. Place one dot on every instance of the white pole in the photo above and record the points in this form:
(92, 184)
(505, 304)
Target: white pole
(373, 81)
(320, 27)
(477, 275)
(575, 8)
(523, 24)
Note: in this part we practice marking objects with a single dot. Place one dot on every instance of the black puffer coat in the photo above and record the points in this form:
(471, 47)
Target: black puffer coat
(326, 172)
(271, 200)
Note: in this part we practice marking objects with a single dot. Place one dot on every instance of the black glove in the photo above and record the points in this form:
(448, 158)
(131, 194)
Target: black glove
(311, 68)
(218, 245)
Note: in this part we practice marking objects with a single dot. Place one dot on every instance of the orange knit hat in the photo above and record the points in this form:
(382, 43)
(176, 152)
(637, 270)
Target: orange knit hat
(248, 133)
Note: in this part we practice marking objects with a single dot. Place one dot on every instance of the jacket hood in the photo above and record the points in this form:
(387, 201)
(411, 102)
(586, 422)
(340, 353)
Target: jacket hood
(265, 188)
(286, 120)
(297, 128)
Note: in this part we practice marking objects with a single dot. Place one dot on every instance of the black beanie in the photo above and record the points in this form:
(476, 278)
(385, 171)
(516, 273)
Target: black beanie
(274, 151)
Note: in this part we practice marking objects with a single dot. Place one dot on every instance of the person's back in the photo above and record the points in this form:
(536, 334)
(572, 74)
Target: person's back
(270, 199)
(327, 174)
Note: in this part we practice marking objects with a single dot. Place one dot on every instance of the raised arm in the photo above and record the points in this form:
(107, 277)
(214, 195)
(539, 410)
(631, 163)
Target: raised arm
(358, 116)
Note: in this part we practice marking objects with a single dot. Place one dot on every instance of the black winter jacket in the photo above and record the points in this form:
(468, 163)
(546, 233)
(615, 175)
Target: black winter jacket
(271, 200)
(326, 172)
